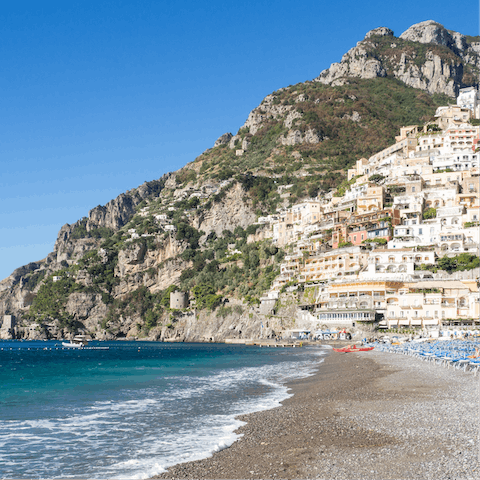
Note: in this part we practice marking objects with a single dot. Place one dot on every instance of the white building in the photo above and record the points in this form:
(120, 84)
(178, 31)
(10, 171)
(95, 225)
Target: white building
(469, 98)
(382, 264)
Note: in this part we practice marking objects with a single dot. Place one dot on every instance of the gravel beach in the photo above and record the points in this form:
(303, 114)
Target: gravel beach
(369, 415)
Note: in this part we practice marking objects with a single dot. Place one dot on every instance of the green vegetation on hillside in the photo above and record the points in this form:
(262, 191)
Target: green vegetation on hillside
(50, 302)
(383, 105)
(149, 307)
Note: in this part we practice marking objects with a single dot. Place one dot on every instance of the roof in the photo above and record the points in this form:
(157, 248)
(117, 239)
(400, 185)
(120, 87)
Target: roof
(440, 284)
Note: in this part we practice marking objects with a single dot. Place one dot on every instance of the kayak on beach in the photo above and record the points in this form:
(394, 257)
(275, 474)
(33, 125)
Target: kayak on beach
(354, 348)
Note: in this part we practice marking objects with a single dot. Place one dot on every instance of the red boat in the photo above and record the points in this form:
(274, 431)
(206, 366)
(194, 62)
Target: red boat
(354, 348)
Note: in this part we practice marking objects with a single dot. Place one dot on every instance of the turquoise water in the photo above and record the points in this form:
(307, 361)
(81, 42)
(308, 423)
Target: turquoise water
(135, 409)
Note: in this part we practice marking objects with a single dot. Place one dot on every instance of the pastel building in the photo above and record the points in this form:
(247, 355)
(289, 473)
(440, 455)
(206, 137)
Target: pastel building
(402, 261)
(372, 200)
(431, 303)
(339, 263)
(453, 114)
(352, 302)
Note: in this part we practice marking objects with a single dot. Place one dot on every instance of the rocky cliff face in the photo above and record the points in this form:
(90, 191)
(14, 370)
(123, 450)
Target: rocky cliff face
(17, 291)
(234, 211)
(426, 56)
(114, 215)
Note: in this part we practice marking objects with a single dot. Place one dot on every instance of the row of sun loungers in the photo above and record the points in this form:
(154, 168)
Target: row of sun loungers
(456, 354)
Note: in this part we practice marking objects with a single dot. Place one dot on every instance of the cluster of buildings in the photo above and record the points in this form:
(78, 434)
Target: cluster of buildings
(368, 252)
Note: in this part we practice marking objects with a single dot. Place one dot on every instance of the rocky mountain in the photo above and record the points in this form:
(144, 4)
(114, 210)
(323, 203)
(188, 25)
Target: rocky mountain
(112, 272)
(426, 56)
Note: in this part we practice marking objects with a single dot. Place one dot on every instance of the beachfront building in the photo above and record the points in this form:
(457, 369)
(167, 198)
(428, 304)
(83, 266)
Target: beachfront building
(431, 303)
(350, 302)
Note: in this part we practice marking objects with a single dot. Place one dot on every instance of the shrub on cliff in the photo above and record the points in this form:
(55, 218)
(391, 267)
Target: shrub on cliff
(205, 297)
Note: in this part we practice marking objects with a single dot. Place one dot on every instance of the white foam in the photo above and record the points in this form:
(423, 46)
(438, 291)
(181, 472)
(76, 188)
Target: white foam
(147, 445)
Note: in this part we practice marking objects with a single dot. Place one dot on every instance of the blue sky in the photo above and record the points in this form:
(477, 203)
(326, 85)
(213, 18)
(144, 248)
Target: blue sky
(97, 97)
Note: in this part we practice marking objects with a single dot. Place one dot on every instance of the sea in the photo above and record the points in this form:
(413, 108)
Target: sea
(135, 409)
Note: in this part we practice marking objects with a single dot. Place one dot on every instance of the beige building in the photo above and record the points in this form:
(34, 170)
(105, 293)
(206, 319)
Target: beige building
(453, 114)
(373, 200)
(348, 303)
(307, 212)
(431, 303)
(338, 263)
(361, 168)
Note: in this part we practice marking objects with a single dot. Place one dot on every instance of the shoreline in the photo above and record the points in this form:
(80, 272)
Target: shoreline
(362, 415)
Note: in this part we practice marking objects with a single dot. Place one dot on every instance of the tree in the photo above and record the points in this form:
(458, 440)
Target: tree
(430, 213)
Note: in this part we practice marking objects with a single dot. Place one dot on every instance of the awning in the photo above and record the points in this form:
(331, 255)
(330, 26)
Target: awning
(417, 322)
(404, 322)
(430, 322)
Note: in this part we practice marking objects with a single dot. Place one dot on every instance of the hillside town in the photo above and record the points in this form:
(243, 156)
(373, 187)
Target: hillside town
(380, 248)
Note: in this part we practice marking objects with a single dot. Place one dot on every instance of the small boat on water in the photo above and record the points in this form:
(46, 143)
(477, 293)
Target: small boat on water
(354, 348)
(80, 342)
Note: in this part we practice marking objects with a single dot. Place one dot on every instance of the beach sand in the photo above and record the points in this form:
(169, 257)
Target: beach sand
(369, 415)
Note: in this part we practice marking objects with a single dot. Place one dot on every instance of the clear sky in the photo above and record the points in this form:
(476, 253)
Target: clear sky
(99, 96)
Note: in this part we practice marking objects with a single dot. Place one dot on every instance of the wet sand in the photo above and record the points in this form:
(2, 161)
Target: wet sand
(363, 415)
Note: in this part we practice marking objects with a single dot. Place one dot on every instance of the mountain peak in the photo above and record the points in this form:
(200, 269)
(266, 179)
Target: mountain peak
(426, 56)
(380, 31)
(431, 32)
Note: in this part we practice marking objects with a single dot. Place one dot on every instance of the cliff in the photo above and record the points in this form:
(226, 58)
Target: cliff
(427, 56)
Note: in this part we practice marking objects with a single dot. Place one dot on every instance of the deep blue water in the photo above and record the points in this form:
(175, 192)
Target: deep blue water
(135, 409)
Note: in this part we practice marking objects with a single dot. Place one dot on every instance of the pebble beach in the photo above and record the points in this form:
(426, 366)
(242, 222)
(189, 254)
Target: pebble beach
(369, 415)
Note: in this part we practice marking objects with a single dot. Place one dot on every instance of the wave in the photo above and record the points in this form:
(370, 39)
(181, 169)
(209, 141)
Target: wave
(172, 420)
